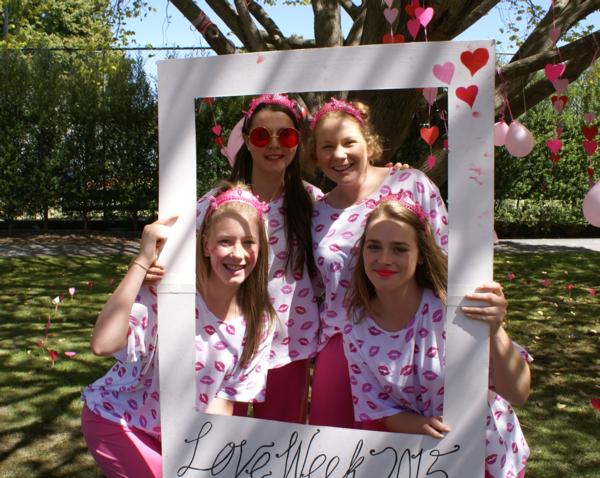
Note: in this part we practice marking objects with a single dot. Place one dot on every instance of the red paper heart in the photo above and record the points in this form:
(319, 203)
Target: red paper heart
(220, 141)
(397, 38)
(410, 10)
(429, 135)
(554, 158)
(596, 403)
(475, 60)
(590, 147)
(589, 132)
(590, 172)
(468, 95)
(554, 72)
(562, 98)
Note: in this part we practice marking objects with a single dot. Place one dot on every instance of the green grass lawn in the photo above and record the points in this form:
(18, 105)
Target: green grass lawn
(40, 406)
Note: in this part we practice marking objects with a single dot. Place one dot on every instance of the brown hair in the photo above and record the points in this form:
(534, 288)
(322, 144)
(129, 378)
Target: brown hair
(373, 140)
(431, 274)
(297, 204)
(253, 295)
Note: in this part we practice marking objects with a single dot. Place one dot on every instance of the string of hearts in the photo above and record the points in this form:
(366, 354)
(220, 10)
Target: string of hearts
(418, 17)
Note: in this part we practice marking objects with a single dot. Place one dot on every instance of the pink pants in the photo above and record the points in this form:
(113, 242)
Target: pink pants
(331, 396)
(286, 397)
(119, 450)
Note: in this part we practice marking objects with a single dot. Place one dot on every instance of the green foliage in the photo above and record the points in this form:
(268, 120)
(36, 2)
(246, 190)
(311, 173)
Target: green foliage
(532, 191)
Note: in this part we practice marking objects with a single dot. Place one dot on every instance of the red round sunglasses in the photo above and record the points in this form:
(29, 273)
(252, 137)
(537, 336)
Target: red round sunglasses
(286, 137)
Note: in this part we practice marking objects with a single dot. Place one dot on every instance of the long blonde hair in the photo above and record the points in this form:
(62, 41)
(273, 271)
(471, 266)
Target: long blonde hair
(431, 274)
(252, 295)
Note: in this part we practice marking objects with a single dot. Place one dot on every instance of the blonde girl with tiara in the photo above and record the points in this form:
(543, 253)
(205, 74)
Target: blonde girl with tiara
(394, 340)
(345, 147)
(234, 316)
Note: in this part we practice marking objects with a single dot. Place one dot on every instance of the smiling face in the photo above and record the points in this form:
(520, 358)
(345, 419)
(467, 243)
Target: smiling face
(232, 245)
(273, 158)
(391, 254)
(341, 149)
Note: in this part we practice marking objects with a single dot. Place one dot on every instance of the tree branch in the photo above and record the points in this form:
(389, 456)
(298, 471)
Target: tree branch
(275, 35)
(454, 16)
(352, 10)
(210, 32)
(252, 38)
(356, 31)
(328, 30)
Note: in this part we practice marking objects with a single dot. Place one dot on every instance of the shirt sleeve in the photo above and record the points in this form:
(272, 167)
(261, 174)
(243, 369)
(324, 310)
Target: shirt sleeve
(249, 383)
(143, 328)
(427, 194)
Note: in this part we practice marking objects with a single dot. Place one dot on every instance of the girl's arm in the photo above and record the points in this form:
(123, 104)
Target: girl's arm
(112, 324)
(510, 371)
(409, 422)
(220, 406)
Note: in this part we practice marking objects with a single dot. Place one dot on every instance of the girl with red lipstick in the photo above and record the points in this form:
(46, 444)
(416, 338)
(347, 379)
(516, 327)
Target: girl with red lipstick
(345, 147)
(396, 355)
(121, 414)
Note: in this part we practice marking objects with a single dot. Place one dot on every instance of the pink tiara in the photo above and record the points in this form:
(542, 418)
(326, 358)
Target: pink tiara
(405, 200)
(237, 195)
(336, 105)
(274, 99)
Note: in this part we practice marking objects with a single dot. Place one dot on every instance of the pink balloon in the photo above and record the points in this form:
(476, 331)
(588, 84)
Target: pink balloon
(234, 142)
(591, 205)
(519, 140)
(500, 130)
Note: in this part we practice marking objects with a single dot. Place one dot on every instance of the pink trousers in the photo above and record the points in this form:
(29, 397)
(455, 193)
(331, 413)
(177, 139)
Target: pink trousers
(286, 397)
(331, 396)
(119, 450)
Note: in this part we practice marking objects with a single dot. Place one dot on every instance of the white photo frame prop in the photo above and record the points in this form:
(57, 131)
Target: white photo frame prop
(199, 445)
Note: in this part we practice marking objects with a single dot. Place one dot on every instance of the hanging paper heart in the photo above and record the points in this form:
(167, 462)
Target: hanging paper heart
(590, 147)
(559, 132)
(554, 34)
(444, 72)
(589, 117)
(445, 143)
(424, 15)
(410, 9)
(216, 129)
(561, 85)
(554, 158)
(468, 95)
(208, 101)
(475, 60)
(519, 140)
(397, 38)
(590, 172)
(220, 141)
(431, 160)
(389, 3)
(500, 130)
(234, 142)
(430, 95)
(589, 132)
(554, 145)
(390, 14)
(559, 102)
(429, 135)
(554, 72)
(413, 26)
(591, 205)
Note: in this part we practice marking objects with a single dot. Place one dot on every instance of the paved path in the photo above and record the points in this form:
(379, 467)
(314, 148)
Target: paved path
(94, 245)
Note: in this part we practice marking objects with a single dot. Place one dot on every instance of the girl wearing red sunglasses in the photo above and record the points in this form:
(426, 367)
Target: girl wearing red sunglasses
(269, 161)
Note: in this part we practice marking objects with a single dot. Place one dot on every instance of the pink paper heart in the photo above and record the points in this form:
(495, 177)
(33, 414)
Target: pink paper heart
(216, 129)
(444, 72)
(561, 85)
(413, 26)
(430, 95)
(424, 15)
(554, 34)
(558, 106)
(259, 59)
(590, 147)
(589, 117)
(390, 14)
(554, 72)
(554, 145)
(389, 3)
(431, 160)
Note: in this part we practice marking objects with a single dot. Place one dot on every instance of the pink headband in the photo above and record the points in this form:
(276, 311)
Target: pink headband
(336, 105)
(405, 200)
(274, 99)
(237, 195)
